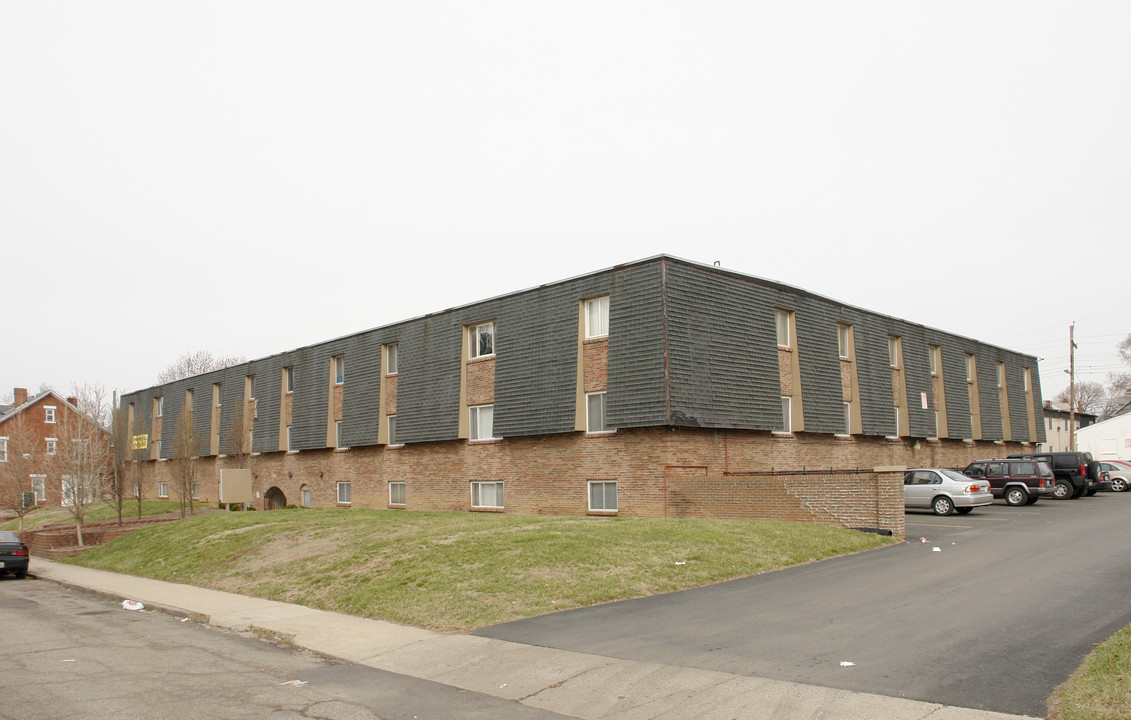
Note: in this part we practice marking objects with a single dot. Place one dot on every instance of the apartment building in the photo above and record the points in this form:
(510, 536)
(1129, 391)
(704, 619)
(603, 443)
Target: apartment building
(654, 388)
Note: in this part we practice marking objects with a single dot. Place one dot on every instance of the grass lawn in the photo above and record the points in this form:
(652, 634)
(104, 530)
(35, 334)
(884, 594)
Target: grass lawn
(1101, 688)
(459, 571)
(97, 512)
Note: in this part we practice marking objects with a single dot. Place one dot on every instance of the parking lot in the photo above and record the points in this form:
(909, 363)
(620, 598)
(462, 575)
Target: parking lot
(993, 611)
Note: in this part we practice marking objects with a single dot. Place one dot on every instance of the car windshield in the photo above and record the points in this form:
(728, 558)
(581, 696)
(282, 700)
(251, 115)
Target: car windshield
(1043, 467)
(953, 475)
(8, 536)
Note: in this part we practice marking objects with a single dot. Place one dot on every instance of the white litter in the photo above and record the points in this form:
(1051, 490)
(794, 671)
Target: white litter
(845, 663)
(502, 686)
(68, 660)
(936, 549)
(922, 539)
(132, 605)
(681, 562)
(295, 683)
(184, 619)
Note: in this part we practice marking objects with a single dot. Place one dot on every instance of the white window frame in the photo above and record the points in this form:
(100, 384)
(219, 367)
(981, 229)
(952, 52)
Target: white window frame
(1025, 379)
(1001, 375)
(160, 406)
(158, 448)
(786, 415)
(970, 368)
(392, 358)
(162, 489)
(338, 435)
(194, 490)
(289, 379)
(304, 494)
(288, 448)
(933, 352)
(597, 317)
(348, 494)
(486, 329)
(842, 341)
(398, 484)
(392, 419)
(896, 407)
(39, 487)
(497, 492)
(847, 418)
(3, 449)
(604, 485)
(603, 426)
(475, 422)
(781, 327)
(49, 414)
(893, 351)
(339, 369)
(52, 445)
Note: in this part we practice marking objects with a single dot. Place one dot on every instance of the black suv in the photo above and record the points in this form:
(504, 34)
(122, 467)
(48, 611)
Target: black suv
(1076, 472)
(1020, 482)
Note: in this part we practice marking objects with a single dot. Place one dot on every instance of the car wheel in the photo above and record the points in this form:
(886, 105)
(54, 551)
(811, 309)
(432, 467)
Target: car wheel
(1062, 490)
(963, 511)
(1016, 496)
(942, 505)
(1032, 500)
(20, 574)
(1118, 484)
(1092, 492)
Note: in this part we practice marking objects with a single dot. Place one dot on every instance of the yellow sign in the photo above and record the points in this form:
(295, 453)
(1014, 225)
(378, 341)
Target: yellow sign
(141, 442)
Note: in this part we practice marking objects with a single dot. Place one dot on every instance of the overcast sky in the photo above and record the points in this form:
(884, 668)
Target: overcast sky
(251, 177)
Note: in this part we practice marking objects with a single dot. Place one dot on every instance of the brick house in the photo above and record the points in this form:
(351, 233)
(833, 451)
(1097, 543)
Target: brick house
(660, 387)
(35, 433)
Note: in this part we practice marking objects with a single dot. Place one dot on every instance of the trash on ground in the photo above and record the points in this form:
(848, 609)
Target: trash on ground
(502, 686)
(132, 605)
(295, 683)
(184, 619)
(936, 549)
(845, 663)
(922, 539)
(71, 660)
(681, 562)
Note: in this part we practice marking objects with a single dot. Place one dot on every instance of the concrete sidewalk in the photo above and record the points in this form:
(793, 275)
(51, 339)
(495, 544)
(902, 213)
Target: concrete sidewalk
(570, 683)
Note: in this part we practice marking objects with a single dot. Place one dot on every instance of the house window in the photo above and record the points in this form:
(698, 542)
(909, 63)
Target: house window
(786, 415)
(338, 433)
(848, 418)
(195, 491)
(392, 360)
(305, 496)
(842, 340)
(1001, 375)
(162, 489)
(250, 387)
(343, 493)
(3, 449)
(396, 493)
(216, 393)
(969, 368)
(896, 422)
(483, 340)
(392, 429)
(595, 413)
(39, 487)
(936, 424)
(158, 447)
(50, 409)
(781, 321)
(602, 495)
(52, 446)
(933, 359)
(487, 494)
(289, 378)
(159, 408)
(482, 422)
(1025, 378)
(339, 369)
(893, 351)
(597, 317)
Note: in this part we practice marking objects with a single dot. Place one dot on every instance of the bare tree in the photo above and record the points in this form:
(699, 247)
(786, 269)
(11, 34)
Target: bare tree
(94, 401)
(195, 363)
(238, 445)
(83, 461)
(184, 459)
(120, 454)
(20, 455)
(136, 481)
(1090, 396)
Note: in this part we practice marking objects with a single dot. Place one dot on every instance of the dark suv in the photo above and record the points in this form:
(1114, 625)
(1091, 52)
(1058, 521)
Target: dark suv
(1076, 472)
(1020, 482)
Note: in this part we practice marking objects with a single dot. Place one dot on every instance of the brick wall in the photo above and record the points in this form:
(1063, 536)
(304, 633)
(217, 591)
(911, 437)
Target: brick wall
(481, 381)
(596, 364)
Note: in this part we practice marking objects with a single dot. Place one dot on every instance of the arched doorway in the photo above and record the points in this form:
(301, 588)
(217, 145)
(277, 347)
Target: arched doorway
(274, 499)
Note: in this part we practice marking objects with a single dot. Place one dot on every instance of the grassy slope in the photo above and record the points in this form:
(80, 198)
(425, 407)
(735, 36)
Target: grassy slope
(1101, 688)
(97, 512)
(456, 571)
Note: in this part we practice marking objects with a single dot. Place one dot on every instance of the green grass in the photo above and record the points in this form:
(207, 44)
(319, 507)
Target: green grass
(97, 512)
(1101, 688)
(457, 571)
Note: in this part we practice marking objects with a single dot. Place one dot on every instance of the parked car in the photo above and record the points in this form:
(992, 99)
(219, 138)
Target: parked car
(1118, 473)
(1019, 482)
(1076, 473)
(13, 554)
(944, 491)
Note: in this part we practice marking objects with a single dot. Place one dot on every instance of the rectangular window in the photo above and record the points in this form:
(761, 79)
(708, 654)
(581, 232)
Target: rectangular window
(289, 378)
(338, 434)
(162, 489)
(482, 340)
(1025, 378)
(1001, 375)
(786, 415)
(195, 491)
(392, 361)
(52, 446)
(188, 400)
(597, 317)
(487, 494)
(482, 422)
(781, 322)
(158, 447)
(602, 495)
(842, 340)
(969, 368)
(896, 422)
(936, 424)
(3, 449)
(893, 351)
(216, 393)
(288, 448)
(39, 487)
(595, 413)
(339, 369)
(344, 493)
(306, 497)
(392, 429)
(396, 493)
(933, 359)
(50, 414)
(250, 387)
(848, 418)
(159, 410)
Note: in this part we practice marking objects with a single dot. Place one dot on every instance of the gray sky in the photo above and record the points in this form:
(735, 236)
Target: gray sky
(250, 177)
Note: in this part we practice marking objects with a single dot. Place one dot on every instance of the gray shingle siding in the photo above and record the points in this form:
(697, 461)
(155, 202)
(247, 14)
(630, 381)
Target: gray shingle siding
(636, 396)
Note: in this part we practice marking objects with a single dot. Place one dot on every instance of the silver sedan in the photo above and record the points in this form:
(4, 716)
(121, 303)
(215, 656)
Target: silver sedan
(944, 491)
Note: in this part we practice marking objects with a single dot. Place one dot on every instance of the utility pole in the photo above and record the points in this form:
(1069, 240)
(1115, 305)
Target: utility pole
(1072, 387)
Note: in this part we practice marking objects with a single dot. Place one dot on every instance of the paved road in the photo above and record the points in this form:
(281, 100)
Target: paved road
(68, 654)
(1001, 614)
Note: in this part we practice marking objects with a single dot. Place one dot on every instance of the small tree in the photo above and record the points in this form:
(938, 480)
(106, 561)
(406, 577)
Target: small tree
(83, 462)
(136, 481)
(19, 457)
(184, 459)
(120, 458)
